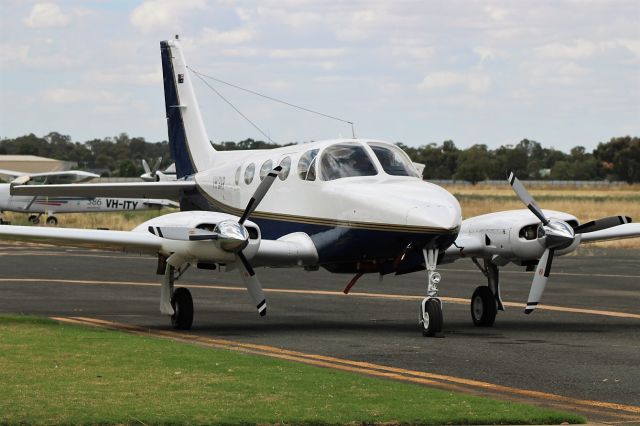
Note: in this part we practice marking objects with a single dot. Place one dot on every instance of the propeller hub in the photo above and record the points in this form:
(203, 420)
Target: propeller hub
(232, 236)
(558, 234)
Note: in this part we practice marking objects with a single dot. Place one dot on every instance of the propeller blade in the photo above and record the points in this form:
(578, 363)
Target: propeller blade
(156, 165)
(145, 166)
(261, 191)
(526, 198)
(252, 283)
(182, 233)
(602, 223)
(539, 280)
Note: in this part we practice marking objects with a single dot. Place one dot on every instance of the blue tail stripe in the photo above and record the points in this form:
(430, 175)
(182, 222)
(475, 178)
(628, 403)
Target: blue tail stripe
(175, 125)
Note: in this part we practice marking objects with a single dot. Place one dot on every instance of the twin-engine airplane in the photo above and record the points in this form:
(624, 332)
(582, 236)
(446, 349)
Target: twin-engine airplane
(36, 206)
(348, 205)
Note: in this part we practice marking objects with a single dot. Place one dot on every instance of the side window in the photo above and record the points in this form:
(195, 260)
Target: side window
(307, 165)
(286, 167)
(249, 172)
(238, 170)
(267, 166)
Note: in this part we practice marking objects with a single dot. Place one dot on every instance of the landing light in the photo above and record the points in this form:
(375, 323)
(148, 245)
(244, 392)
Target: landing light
(436, 277)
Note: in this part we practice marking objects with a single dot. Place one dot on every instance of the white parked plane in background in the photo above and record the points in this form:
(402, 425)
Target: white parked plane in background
(351, 206)
(152, 174)
(36, 206)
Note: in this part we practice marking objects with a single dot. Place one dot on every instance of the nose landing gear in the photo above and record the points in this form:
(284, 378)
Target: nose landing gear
(430, 319)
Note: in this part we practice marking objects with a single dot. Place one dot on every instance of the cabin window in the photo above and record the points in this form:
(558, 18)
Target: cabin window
(393, 160)
(267, 166)
(249, 172)
(238, 172)
(307, 165)
(286, 166)
(346, 160)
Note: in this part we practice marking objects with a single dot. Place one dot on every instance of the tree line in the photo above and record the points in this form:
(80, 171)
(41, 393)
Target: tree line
(617, 159)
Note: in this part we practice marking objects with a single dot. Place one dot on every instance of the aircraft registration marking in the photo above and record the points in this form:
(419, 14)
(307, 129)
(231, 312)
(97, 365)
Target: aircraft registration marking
(619, 411)
(455, 300)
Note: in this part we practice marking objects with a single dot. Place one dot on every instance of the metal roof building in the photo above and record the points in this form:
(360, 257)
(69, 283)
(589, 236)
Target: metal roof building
(33, 164)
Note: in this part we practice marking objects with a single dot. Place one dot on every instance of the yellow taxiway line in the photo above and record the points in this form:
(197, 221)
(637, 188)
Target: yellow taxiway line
(452, 383)
(455, 300)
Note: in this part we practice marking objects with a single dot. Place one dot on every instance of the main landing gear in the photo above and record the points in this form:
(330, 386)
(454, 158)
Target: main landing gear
(430, 319)
(35, 219)
(178, 302)
(486, 301)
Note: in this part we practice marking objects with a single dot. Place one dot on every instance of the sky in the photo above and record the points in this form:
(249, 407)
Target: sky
(563, 73)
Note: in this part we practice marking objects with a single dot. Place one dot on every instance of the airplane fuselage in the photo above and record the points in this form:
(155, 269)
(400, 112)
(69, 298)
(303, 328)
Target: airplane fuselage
(357, 223)
(51, 205)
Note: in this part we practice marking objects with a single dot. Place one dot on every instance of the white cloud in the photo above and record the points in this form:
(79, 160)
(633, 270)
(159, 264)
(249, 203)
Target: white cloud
(72, 96)
(578, 49)
(45, 15)
(238, 36)
(307, 53)
(129, 75)
(475, 82)
(554, 73)
(630, 44)
(163, 15)
(488, 53)
(496, 13)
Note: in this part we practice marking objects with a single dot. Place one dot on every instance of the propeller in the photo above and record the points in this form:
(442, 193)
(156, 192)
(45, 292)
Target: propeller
(554, 235)
(151, 173)
(231, 236)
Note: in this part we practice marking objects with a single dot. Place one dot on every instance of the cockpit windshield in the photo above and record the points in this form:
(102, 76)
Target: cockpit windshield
(393, 160)
(346, 160)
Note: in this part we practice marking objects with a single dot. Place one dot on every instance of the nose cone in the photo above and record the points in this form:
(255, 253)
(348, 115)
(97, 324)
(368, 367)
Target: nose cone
(409, 201)
(438, 209)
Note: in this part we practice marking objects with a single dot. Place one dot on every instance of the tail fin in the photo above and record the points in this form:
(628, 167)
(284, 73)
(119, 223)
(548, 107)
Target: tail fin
(188, 140)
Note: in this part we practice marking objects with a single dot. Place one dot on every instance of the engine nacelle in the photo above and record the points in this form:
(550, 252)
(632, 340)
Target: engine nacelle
(514, 235)
(206, 251)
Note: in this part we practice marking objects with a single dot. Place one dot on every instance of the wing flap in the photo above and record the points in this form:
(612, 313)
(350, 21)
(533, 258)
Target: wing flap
(169, 189)
(137, 242)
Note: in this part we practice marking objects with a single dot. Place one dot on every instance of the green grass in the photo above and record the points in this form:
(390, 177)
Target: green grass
(55, 373)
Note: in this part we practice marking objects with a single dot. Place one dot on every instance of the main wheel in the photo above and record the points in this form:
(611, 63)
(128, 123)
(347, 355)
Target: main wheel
(430, 317)
(52, 220)
(183, 306)
(34, 219)
(483, 307)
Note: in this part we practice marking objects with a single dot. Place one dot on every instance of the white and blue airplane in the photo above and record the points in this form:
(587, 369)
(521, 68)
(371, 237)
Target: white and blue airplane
(352, 206)
(36, 206)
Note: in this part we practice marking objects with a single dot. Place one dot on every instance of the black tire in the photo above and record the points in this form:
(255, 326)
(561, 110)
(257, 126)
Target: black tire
(182, 304)
(484, 307)
(433, 320)
(34, 219)
(52, 220)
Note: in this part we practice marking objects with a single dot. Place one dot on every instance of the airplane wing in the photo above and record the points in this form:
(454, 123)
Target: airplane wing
(169, 189)
(10, 175)
(137, 242)
(628, 230)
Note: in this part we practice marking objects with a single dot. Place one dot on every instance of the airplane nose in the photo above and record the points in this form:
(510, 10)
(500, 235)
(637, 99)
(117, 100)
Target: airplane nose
(439, 210)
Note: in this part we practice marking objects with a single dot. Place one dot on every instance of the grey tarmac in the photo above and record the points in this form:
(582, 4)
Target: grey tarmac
(580, 355)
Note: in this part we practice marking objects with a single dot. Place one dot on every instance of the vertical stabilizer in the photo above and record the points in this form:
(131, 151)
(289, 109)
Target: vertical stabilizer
(188, 140)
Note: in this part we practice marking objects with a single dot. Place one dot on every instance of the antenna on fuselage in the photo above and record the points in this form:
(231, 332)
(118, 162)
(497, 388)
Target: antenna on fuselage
(203, 76)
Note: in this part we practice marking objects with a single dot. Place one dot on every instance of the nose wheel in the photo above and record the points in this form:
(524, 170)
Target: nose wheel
(431, 316)
(430, 319)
